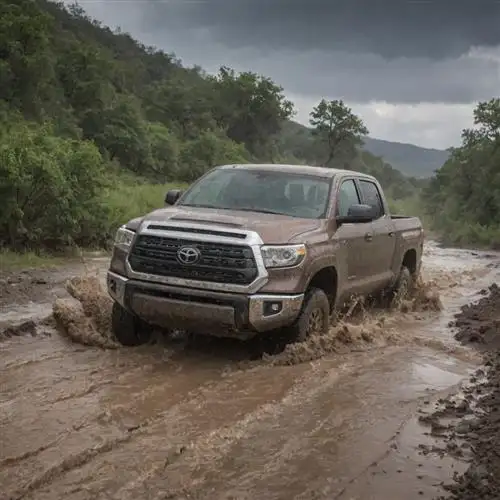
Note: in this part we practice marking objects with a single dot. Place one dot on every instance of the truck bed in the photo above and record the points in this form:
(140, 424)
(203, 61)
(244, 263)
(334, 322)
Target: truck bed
(404, 223)
(397, 217)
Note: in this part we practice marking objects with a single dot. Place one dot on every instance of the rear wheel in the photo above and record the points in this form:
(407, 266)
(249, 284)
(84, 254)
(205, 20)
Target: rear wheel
(314, 318)
(402, 287)
(128, 329)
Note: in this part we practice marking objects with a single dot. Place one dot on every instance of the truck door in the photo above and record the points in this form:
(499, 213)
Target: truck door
(352, 238)
(383, 244)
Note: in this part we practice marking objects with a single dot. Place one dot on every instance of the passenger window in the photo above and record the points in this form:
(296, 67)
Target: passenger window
(371, 196)
(348, 195)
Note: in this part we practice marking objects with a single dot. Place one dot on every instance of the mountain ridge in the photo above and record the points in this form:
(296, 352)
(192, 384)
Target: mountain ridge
(409, 159)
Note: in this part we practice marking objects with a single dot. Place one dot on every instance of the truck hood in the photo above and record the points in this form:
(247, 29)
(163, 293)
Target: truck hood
(273, 229)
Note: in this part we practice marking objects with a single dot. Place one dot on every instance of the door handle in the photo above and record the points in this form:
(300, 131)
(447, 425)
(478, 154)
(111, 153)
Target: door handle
(391, 234)
(368, 236)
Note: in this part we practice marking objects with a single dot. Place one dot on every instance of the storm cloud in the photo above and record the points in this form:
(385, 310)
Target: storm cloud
(443, 52)
(434, 29)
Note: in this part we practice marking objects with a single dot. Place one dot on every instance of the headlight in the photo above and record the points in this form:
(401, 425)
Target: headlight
(124, 237)
(282, 255)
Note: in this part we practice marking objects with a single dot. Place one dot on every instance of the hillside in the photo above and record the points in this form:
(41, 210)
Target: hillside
(411, 160)
(93, 124)
(408, 158)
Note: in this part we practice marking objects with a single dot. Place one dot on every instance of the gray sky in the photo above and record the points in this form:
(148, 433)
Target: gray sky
(413, 70)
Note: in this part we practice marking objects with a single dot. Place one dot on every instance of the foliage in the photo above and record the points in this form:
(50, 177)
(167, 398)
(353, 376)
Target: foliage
(26, 70)
(464, 195)
(336, 126)
(87, 103)
(252, 108)
(95, 124)
(207, 151)
(49, 187)
(130, 197)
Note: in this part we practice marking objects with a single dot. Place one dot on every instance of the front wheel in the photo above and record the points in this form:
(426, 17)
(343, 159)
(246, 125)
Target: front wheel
(314, 317)
(128, 329)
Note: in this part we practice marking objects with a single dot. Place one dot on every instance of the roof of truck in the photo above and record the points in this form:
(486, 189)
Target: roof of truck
(297, 169)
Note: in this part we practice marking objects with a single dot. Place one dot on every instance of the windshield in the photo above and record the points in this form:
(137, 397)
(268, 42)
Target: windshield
(264, 191)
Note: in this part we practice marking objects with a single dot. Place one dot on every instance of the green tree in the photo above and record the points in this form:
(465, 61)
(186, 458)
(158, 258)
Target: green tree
(251, 108)
(487, 121)
(338, 128)
(49, 188)
(464, 195)
(183, 107)
(26, 69)
(165, 149)
(121, 131)
(85, 73)
(210, 149)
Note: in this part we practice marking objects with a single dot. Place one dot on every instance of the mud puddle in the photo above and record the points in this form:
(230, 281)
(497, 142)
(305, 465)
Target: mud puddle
(28, 295)
(333, 418)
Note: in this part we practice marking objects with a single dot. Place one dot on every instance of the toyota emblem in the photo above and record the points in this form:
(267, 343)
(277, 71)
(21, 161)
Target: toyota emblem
(188, 255)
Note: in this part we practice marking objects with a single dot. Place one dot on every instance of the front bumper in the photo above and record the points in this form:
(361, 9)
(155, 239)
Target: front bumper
(204, 311)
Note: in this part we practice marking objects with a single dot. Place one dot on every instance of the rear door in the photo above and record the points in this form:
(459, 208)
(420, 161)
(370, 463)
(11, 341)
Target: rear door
(353, 239)
(383, 243)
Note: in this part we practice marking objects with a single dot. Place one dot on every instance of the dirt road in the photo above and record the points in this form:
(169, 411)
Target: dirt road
(336, 418)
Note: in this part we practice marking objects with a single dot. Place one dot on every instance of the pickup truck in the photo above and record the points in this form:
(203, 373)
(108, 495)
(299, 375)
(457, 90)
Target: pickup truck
(257, 248)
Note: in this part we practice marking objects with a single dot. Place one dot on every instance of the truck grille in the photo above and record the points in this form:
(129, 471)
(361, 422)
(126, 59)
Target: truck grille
(218, 262)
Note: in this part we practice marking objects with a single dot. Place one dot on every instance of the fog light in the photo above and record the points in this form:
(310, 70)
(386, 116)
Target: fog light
(112, 285)
(272, 307)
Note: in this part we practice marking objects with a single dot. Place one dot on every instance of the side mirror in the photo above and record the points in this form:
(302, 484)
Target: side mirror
(172, 196)
(357, 214)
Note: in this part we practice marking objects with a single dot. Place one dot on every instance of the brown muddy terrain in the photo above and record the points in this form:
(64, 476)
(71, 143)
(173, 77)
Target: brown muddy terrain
(469, 421)
(338, 417)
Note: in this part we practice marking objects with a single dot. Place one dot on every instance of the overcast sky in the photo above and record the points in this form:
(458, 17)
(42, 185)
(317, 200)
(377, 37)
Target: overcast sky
(412, 69)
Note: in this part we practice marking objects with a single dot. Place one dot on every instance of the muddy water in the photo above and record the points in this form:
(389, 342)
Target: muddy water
(333, 418)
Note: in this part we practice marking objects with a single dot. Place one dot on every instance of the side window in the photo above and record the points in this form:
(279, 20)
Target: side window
(348, 195)
(371, 196)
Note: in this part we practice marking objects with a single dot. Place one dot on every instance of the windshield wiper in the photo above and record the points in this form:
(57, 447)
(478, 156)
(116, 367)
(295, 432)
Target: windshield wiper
(200, 205)
(264, 211)
(242, 209)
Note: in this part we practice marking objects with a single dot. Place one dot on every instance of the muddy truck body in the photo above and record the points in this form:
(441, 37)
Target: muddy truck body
(253, 249)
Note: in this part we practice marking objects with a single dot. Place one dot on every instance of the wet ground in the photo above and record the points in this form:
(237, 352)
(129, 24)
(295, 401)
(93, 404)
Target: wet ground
(468, 422)
(339, 417)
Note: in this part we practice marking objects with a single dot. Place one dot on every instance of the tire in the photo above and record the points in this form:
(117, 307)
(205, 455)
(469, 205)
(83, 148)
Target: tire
(128, 329)
(402, 287)
(314, 317)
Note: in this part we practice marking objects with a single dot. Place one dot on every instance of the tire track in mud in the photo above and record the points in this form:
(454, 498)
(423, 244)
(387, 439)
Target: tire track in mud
(22, 420)
(270, 437)
(161, 463)
(72, 462)
(165, 433)
(156, 375)
(349, 427)
(206, 440)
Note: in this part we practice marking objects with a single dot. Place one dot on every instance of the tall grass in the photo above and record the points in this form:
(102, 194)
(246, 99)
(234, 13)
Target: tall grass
(11, 261)
(129, 198)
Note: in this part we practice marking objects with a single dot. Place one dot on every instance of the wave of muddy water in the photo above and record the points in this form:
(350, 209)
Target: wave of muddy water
(332, 418)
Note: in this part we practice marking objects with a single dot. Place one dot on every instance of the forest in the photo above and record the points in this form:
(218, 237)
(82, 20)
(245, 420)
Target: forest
(94, 127)
(463, 198)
